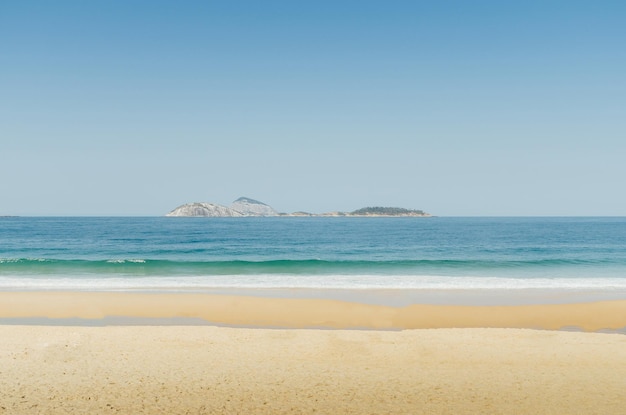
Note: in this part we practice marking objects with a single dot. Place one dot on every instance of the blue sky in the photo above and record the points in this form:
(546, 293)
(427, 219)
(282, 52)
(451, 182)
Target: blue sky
(453, 107)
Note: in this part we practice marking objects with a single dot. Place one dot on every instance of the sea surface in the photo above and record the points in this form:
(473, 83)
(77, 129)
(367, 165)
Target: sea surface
(207, 254)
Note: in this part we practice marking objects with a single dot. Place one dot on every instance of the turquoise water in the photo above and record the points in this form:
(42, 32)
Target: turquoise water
(319, 253)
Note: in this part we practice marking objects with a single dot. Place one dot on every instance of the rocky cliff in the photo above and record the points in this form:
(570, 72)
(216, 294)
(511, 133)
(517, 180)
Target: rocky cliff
(241, 207)
(204, 210)
(251, 207)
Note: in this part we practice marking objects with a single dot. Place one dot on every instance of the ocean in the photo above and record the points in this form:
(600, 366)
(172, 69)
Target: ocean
(439, 254)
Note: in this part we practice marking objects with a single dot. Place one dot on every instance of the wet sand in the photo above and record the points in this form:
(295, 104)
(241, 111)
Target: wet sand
(309, 313)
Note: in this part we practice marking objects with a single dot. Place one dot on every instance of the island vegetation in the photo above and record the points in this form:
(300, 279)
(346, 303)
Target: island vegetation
(387, 211)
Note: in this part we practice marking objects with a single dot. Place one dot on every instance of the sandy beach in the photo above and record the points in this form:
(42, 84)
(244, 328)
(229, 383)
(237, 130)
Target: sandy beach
(218, 370)
(309, 313)
(388, 368)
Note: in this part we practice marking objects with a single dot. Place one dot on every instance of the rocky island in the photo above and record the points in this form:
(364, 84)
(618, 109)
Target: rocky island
(246, 207)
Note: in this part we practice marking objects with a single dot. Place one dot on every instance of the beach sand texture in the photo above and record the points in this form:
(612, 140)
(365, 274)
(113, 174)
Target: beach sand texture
(447, 360)
(219, 370)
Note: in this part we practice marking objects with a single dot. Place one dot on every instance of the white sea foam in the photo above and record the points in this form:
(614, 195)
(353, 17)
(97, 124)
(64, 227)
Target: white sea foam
(350, 282)
(122, 261)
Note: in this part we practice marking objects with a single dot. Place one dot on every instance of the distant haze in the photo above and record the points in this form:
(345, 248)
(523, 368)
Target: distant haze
(454, 108)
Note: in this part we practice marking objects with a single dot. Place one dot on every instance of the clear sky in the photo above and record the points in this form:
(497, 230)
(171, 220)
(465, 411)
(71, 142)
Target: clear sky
(454, 107)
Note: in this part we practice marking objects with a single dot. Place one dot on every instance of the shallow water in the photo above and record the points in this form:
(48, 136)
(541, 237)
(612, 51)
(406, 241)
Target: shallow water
(415, 254)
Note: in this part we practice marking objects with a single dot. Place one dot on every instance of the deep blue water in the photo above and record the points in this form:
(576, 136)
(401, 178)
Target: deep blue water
(197, 253)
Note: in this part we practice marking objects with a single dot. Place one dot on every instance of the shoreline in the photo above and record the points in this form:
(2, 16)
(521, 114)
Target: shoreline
(400, 297)
(273, 312)
(379, 296)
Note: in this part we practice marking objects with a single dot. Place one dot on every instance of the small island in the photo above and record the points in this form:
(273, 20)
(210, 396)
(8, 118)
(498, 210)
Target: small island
(387, 211)
(246, 207)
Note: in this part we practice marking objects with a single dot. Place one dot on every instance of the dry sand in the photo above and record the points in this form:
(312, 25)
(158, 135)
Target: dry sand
(218, 370)
(222, 370)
